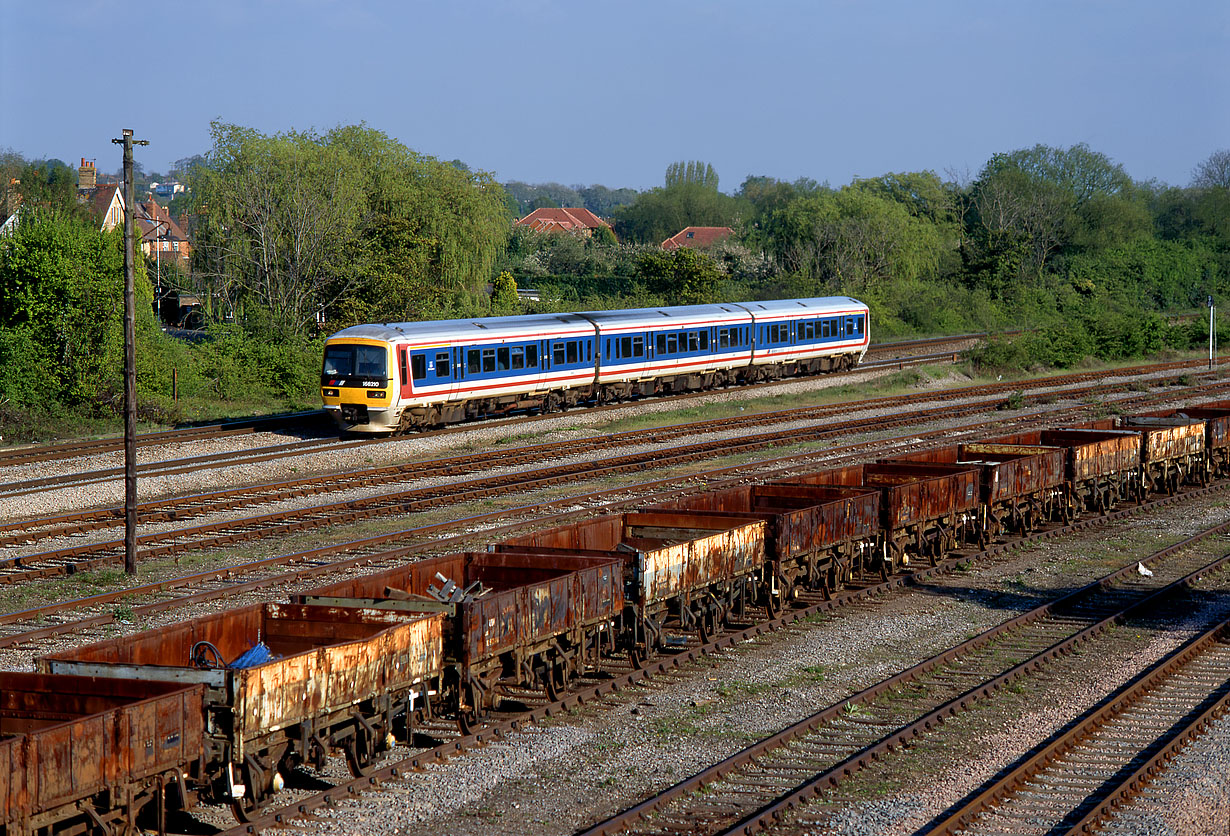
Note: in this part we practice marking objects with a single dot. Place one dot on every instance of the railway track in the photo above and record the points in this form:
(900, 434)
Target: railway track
(1083, 775)
(757, 787)
(607, 690)
(86, 557)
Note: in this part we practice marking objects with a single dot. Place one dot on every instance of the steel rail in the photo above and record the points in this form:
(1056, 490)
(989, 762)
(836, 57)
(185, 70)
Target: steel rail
(284, 814)
(1107, 797)
(758, 753)
(64, 561)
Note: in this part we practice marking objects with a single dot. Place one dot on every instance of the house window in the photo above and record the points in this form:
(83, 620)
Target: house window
(690, 234)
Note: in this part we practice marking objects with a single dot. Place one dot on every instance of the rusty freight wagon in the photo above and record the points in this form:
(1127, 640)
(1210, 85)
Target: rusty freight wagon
(925, 509)
(1020, 485)
(1102, 466)
(819, 535)
(529, 621)
(1172, 451)
(690, 571)
(86, 755)
(285, 685)
(1216, 417)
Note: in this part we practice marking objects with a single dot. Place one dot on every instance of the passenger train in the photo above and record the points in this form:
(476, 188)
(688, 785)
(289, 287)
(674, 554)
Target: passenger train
(394, 377)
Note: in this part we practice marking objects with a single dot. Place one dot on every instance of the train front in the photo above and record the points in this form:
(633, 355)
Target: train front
(356, 381)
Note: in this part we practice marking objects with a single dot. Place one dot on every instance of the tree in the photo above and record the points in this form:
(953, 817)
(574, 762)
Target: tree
(1214, 172)
(504, 298)
(683, 276)
(691, 173)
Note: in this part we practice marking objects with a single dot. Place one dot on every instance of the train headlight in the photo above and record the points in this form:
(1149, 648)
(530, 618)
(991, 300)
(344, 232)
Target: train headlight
(331, 393)
(376, 395)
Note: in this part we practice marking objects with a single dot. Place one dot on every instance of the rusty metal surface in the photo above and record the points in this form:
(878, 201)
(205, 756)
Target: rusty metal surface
(910, 492)
(1007, 471)
(72, 737)
(1092, 453)
(1168, 439)
(802, 519)
(328, 657)
(1216, 417)
(530, 597)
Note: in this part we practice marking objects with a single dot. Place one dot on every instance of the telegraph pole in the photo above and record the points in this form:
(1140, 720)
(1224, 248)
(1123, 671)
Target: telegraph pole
(130, 362)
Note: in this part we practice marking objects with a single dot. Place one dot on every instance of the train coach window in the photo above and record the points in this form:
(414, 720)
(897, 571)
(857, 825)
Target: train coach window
(531, 356)
(661, 341)
(444, 367)
(501, 359)
(672, 343)
(809, 331)
(693, 341)
(723, 338)
(518, 358)
(573, 347)
(625, 347)
(418, 366)
(558, 354)
(638, 346)
(589, 351)
(703, 339)
(474, 363)
(488, 359)
(824, 329)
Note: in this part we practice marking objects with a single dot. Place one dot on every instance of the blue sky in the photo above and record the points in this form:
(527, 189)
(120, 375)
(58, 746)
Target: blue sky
(583, 92)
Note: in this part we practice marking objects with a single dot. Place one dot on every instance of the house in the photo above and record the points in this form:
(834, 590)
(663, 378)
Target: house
(107, 203)
(698, 237)
(573, 219)
(161, 237)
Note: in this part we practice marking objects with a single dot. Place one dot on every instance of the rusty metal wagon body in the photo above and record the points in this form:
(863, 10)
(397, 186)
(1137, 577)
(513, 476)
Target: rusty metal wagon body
(819, 535)
(1102, 466)
(284, 685)
(1172, 451)
(694, 569)
(1216, 417)
(510, 619)
(1019, 485)
(87, 755)
(926, 509)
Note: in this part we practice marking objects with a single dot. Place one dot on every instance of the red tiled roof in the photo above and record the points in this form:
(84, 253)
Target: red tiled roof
(571, 218)
(697, 237)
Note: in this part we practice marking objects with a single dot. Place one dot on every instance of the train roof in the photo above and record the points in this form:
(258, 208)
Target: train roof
(572, 324)
(479, 327)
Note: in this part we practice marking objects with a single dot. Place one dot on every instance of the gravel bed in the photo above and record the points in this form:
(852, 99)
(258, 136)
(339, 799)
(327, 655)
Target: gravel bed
(559, 777)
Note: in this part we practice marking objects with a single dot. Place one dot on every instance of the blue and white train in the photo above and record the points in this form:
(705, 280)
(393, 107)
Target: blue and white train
(412, 375)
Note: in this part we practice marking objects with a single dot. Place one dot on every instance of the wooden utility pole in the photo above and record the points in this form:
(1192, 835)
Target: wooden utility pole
(130, 362)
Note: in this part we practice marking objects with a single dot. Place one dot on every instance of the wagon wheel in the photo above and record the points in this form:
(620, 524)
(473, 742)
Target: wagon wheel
(249, 806)
(359, 749)
(472, 716)
(636, 658)
(555, 682)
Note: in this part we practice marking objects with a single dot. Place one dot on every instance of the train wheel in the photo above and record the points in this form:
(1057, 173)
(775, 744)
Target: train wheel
(471, 716)
(359, 751)
(254, 799)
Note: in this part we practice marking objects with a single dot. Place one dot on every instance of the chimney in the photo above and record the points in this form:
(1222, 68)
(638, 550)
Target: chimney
(87, 175)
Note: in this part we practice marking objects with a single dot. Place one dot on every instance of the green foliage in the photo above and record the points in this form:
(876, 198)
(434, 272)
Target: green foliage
(691, 173)
(504, 299)
(682, 276)
(351, 223)
(61, 312)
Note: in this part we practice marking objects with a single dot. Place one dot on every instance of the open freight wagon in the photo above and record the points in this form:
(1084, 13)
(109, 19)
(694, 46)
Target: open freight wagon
(86, 755)
(1020, 486)
(926, 509)
(682, 571)
(1101, 466)
(820, 536)
(284, 685)
(509, 620)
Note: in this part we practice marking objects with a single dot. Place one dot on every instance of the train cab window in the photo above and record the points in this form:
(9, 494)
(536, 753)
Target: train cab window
(488, 359)
(501, 359)
(572, 351)
(444, 366)
(418, 366)
(858, 325)
(558, 353)
(474, 363)
(518, 358)
(531, 356)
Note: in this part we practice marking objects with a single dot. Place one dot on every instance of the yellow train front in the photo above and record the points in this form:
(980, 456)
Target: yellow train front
(355, 383)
